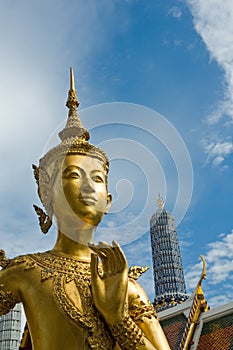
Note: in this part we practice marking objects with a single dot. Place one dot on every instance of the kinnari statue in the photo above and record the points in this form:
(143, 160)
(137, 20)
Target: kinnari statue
(78, 295)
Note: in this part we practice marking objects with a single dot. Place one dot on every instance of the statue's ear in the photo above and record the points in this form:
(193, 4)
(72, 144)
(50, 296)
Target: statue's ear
(43, 182)
(44, 190)
(36, 173)
(44, 219)
(41, 175)
(109, 202)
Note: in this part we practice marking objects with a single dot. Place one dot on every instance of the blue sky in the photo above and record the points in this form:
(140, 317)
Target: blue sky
(169, 57)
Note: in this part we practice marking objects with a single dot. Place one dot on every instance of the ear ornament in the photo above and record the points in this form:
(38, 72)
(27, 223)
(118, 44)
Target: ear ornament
(44, 220)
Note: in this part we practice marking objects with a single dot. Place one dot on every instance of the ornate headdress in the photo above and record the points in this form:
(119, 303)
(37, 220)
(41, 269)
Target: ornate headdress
(74, 140)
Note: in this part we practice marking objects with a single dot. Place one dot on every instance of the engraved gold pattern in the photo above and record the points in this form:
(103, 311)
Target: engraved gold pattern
(136, 271)
(72, 101)
(74, 136)
(7, 300)
(63, 270)
(3, 259)
(128, 334)
(140, 311)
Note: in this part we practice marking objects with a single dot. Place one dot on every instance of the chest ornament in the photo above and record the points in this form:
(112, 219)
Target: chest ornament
(62, 271)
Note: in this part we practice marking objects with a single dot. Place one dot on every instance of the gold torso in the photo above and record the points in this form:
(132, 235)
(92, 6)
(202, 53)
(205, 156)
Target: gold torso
(58, 303)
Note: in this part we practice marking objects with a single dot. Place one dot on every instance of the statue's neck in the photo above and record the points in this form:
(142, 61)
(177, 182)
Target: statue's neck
(75, 249)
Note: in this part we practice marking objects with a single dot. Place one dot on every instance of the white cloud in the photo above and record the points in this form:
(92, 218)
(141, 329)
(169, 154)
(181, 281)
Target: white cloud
(175, 12)
(20, 234)
(218, 160)
(193, 276)
(219, 259)
(217, 151)
(185, 238)
(218, 300)
(213, 20)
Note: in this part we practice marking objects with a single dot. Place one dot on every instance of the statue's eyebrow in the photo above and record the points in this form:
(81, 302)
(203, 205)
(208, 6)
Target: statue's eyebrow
(71, 168)
(98, 171)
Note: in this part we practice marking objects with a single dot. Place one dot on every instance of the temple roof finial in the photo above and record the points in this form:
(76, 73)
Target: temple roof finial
(72, 101)
(160, 202)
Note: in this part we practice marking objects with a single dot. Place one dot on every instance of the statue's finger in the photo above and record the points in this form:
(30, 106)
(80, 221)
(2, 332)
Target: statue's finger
(98, 251)
(102, 250)
(120, 256)
(111, 257)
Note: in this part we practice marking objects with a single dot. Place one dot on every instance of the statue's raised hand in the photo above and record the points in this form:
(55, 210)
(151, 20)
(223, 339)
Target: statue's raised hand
(109, 288)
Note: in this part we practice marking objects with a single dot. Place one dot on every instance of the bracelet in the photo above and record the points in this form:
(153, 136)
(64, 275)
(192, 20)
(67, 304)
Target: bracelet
(141, 310)
(128, 335)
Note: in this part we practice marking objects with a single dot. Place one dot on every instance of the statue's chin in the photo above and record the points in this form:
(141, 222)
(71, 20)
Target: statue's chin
(74, 228)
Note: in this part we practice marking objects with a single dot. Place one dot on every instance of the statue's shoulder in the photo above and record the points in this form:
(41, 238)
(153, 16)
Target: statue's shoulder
(22, 261)
(134, 288)
(139, 306)
(10, 278)
(136, 271)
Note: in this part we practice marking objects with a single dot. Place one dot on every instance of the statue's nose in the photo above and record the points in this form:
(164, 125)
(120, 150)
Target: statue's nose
(86, 186)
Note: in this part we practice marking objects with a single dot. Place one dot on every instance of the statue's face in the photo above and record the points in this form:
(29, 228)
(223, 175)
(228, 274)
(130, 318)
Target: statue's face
(84, 185)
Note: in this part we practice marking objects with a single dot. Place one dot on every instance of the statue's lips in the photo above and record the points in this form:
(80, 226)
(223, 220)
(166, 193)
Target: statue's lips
(87, 200)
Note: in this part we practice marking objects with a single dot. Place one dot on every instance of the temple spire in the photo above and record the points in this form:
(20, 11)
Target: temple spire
(169, 280)
(160, 202)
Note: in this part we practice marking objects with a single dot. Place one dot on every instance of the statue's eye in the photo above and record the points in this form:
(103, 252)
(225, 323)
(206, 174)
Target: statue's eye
(73, 175)
(98, 178)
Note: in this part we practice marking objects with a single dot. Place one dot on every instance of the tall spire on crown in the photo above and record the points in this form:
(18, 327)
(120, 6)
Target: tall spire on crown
(72, 101)
(73, 126)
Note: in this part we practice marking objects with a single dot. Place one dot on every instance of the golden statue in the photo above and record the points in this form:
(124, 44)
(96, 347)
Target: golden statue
(78, 295)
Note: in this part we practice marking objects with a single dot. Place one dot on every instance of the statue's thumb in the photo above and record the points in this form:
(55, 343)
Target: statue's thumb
(94, 266)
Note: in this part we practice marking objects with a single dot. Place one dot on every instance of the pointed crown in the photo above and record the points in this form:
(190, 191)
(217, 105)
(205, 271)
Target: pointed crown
(74, 137)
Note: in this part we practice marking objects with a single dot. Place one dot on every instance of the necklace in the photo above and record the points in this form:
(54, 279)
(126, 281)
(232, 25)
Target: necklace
(63, 270)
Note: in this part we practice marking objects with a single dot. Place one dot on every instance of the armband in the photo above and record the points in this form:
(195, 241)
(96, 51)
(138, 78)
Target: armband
(128, 335)
(7, 301)
(140, 311)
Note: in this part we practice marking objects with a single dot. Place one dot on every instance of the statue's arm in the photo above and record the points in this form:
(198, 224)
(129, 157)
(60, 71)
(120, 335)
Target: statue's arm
(144, 316)
(109, 290)
(9, 294)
